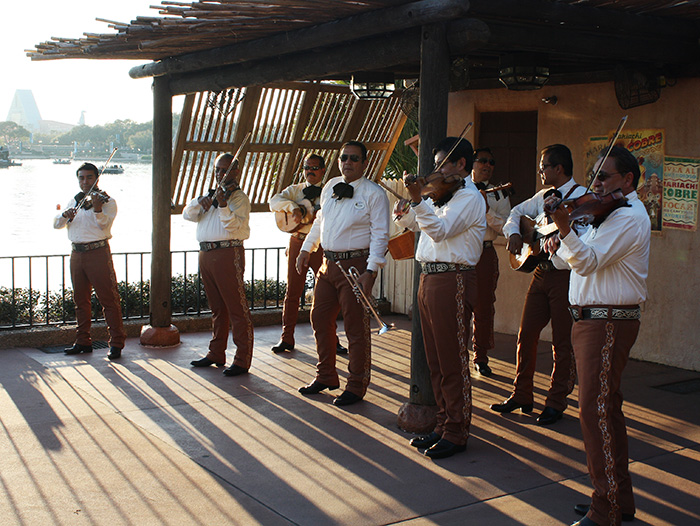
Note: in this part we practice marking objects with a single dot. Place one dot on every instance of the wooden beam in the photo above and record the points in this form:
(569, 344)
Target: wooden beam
(355, 27)
(161, 268)
(373, 53)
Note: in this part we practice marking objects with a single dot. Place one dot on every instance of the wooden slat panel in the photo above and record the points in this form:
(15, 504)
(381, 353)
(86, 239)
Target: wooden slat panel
(287, 122)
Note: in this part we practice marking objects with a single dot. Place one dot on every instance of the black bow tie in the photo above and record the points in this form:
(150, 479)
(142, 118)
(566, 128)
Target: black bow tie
(480, 186)
(312, 192)
(341, 190)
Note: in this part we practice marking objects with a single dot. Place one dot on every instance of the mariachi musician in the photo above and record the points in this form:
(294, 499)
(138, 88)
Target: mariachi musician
(295, 208)
(88, 218)
(222, 219)
(546, 299)
(451, 215)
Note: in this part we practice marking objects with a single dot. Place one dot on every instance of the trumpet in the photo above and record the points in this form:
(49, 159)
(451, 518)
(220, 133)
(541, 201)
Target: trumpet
(353, 278)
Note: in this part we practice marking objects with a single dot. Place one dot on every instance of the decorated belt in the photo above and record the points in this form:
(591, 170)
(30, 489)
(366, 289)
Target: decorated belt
(438, 268)
(206, 246)
(604, 312)
(299, 235)
(84, 247)
(350, 254)
(488, 244)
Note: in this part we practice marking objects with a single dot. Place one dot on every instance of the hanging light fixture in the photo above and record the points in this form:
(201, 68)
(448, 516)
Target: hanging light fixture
(523, 72)
(372, 86)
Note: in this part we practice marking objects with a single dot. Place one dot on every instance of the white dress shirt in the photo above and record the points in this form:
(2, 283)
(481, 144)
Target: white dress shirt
(499, 209)
(87, 225)
(453, 232)
(289, 200)
(352, 223)
(610, 263)
(222, 223)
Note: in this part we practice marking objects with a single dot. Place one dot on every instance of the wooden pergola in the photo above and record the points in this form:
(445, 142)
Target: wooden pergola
(222, 48)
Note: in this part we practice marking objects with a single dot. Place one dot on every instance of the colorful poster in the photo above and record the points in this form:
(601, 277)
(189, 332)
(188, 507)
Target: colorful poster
(647, 145)
(680, 199)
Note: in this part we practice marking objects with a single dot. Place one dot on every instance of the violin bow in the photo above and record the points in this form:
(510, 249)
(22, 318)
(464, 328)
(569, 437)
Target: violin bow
(87, 194)
(233, 162)
(623, 121)
(459, 139)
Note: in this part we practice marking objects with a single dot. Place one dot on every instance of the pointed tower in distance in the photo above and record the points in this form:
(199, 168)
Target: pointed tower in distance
(24, 110)
(81, 121)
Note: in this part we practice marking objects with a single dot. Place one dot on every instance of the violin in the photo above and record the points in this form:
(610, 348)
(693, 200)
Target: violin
(590, 208)
(84, 200)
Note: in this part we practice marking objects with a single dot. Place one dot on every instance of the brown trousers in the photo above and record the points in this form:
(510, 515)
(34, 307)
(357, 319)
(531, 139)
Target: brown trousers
(295, 286)
(94, 270)
(445, 301)
(602, 349)
(332, 295)
(547, 299)
(222, 275)
(484, 310)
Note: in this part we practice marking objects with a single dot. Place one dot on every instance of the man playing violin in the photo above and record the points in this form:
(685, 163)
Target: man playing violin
(546, 299)
(498, 208)
(222, 226)
(352, 226)
(451, 215)
(609, 264)
(88, 219)
(301, 201)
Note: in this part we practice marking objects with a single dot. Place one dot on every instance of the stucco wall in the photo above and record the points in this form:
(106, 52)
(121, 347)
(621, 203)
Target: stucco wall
(670, 332)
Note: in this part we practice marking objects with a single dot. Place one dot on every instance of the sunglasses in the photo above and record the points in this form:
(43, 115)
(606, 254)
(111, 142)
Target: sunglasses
(602, 176)
(353, 158)
(312, 168)
(484, 160)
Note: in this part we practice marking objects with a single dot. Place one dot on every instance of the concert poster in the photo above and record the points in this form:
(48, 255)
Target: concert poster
(680, 201)
(647, 145)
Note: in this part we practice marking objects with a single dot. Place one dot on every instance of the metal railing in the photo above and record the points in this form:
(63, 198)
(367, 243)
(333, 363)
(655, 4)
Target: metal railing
(35, 290)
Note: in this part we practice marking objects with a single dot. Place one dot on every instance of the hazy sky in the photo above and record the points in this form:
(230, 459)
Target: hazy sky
(63, 88)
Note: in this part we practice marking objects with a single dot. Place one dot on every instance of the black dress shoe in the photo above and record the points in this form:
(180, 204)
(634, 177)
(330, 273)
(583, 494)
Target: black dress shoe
(235, 370)
(484, 369)
(282, 346)
(346, 398)
(114, 353)
(549, 416)
(582, 509)
(205, 362)
(78, 349)
(510, 405)
(444, 448)
(339, 349)
(316, 387)
(425, 441)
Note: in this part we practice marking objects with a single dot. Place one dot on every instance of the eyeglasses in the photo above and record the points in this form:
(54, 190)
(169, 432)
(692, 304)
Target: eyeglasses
(353, 158)
(484, 160)
(543, 167)
(312, 168)
(602, 176)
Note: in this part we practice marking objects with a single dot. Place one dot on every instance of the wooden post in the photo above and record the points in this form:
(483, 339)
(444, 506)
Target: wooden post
(160, 333)
(418, 414)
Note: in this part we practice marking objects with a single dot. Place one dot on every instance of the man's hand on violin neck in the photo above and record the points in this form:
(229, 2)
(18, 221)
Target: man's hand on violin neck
(205, 202)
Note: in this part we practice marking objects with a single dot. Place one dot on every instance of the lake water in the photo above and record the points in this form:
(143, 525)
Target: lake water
(32, 192)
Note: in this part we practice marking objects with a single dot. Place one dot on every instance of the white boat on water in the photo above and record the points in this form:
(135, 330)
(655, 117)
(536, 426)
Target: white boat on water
(61, 161)
(113, 169)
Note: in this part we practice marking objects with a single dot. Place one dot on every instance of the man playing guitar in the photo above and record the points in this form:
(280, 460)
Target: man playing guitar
(295, 208)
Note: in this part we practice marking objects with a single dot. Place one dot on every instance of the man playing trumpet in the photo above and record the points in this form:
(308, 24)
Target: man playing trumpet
(352, 226)
(451, 214)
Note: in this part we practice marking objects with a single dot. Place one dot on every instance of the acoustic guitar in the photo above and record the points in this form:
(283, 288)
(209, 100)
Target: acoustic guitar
(533, 233)
(288, 223)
